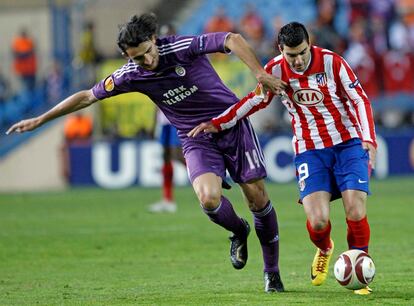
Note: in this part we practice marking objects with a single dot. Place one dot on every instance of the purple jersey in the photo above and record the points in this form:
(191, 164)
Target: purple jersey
(184, 85)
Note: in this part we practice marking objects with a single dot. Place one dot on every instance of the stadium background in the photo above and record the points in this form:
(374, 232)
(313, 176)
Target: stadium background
(377, 40)
(65, 245)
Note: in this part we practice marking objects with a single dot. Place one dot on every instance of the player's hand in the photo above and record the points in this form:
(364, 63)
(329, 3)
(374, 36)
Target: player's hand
(206, 127)
(24, 126)
(272, 83)
(372, 152)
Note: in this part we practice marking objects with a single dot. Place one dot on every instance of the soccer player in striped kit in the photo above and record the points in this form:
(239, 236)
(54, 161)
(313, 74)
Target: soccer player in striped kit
(334, 137)
(176, 74)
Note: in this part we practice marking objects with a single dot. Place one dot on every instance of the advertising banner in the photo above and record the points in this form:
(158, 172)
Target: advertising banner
(131, 163)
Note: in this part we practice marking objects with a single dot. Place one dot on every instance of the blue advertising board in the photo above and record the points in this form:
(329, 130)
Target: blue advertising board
(124, 164)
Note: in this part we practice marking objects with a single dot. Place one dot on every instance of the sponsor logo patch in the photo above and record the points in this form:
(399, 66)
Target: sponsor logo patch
(180, 70)
(109, 84)
(354, 84)
(201, 42)
(308, 96)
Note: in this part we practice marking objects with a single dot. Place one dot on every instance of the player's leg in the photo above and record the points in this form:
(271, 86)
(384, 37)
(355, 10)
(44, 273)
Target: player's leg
(354, 182)
(358, 227)
(316, 186)
(219, 209)
(356, 218)
(206, 169)
(353, 167)
(267, 230)
(245, 163)
(316, 207)
(167, 203)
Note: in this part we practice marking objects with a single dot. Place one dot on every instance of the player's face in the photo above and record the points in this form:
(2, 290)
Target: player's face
(298, 57)
(146, 54)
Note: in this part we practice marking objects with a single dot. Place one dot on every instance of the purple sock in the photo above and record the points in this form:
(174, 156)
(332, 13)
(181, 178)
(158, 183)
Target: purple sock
(265, 223)
(225, 216)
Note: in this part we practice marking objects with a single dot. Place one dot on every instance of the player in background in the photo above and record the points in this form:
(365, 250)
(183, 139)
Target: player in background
(176, 74)
(334, 138)
(171, 150)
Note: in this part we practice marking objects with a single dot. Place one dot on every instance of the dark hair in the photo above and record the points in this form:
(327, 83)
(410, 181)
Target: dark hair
(292, 35)
(137, 30)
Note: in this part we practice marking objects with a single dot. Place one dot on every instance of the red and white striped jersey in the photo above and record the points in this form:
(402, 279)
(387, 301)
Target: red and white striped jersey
(326, 102)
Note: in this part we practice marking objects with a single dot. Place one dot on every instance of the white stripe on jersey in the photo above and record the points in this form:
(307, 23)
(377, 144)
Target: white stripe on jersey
(328, 119)
(241, 111)
(177, 46)
(277, 71)
(310, 119)
(360, 106)
(174, 50)
(174, 44)
(124, 69)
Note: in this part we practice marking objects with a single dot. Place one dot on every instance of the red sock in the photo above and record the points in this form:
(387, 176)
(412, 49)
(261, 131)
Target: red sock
(167, 186)
(322, 238)
(358, 234)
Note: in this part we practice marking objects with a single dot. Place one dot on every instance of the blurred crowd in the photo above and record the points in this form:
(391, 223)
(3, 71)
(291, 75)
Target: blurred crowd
(37, 89)
(378, 44)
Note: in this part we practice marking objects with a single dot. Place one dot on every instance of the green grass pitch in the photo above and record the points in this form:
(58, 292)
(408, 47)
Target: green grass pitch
(99, 247)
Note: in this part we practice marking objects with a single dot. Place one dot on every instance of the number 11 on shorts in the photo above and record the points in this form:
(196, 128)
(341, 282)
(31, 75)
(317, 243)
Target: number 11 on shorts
(253, 159)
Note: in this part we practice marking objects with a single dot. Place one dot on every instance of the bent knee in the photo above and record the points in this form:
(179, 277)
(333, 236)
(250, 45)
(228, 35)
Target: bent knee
(356, 213)
(209, 199)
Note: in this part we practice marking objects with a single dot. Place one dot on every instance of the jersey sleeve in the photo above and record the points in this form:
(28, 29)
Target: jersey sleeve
(360, 102)
(115, 84)
(247, 106)
(209, 43)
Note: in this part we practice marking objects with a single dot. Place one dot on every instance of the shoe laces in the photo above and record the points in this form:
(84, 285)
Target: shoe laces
(321, 263)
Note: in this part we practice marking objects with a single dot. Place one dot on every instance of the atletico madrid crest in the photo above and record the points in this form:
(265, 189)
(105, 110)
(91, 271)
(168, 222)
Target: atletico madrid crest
(321, 78)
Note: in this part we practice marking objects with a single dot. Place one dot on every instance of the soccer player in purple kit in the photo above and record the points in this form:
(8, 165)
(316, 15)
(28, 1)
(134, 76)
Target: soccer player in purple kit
(176, 74)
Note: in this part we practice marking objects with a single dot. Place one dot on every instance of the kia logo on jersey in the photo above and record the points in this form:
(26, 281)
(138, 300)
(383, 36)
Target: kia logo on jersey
(308, 96)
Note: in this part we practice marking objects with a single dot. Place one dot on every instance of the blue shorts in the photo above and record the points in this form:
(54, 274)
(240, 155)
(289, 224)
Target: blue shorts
(169, 137)
(335, 169)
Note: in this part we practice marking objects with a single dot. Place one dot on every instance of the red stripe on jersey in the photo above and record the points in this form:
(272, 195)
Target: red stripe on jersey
(231, 113)
(336, 67)
(304, 125)
(320, 122)
(333, 110)
(240, 110)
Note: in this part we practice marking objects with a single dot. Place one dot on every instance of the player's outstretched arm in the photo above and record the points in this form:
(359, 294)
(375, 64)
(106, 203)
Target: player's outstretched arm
(239, 46)
(247, 106)
(71, 104)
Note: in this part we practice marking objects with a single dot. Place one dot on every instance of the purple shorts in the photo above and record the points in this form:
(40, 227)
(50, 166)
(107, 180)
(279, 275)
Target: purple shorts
(236, 150)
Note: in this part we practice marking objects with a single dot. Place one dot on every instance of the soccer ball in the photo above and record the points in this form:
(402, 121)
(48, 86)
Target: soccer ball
(354, 269)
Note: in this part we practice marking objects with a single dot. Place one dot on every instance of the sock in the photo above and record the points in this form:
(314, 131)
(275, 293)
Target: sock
(265, 223)
(167, 185)
(225, 216)
(358, 234)
(322, 238)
